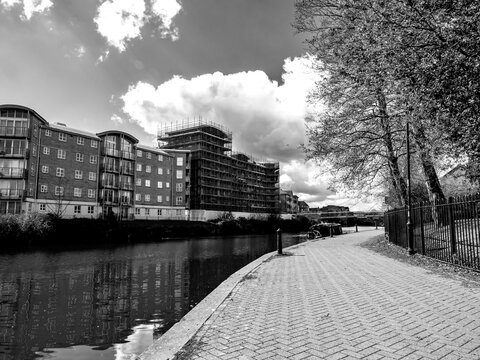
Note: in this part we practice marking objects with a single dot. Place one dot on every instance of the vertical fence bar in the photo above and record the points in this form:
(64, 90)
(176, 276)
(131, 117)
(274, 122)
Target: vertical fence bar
(422, 232)
(451, 218)
(477, 233)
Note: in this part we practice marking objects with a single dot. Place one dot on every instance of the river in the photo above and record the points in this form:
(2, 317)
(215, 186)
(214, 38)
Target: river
(111, 304)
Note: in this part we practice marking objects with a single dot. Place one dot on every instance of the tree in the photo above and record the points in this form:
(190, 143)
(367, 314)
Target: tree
(358, 42)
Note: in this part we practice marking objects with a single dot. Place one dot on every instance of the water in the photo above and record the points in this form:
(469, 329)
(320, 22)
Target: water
(111, 304)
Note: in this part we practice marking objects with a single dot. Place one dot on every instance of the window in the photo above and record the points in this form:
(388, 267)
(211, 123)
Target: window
(179, 161)
(93, 159)
(138, 197)
(80, 140)
(167, 198)
(179, 187)
(77, 192)
(34, 151)
(43, 207)
(159, 212)
(59, 190)
(147, 211)
(35, 130)
(79, 157)
(90, 209)
(160, 184)
(148, 169)
(168, 171)
(148, 155)
(160, 157)
(179, 212)
(94, 143)
(137, 211)
(32, 169)
(61, 154)
(159, 198)
(147, 197)
(179, 200)
(138, 182)
(46, 150)
(60, 172)
(43, 188)
(48, 133)
(91, 193)
(147, 183)
(92, 176)
(179, 174)
(160, 171)
(62, 137)
(139, 167)
(167, 185)
(139, 153)
(77, 209)
(78, 174)
(45, 169)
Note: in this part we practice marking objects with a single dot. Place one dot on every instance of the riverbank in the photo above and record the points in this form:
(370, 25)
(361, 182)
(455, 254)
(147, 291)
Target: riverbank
(37, 231)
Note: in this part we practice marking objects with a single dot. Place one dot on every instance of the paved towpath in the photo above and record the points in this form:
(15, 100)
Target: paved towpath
(331, 299)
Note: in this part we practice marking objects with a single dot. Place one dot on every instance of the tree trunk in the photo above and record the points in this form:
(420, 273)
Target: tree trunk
(397, 179)
(434, 188)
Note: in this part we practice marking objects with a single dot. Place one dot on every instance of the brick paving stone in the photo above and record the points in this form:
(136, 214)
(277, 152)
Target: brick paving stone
(334, 300)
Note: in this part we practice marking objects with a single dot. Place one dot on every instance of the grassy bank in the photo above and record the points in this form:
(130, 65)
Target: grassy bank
(38, 231)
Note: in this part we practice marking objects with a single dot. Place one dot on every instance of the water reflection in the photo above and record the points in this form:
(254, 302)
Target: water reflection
(110, 303)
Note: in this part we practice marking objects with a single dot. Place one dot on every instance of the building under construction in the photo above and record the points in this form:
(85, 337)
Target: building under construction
(222, 180)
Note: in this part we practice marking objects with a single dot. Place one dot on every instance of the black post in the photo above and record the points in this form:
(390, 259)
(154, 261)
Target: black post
(331, 231)
(376, 224)
(356, 227)
(279, 242)
(422, 231)
(411, 249)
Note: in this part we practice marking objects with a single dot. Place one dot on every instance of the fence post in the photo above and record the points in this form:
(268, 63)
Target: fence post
(451, 220)
(422, 231)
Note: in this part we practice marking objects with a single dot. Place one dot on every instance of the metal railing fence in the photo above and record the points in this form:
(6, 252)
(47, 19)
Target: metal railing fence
(446, 230)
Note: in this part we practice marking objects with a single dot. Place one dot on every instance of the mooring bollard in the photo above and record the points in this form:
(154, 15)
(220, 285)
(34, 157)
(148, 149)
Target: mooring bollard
(356, 227)
(279, 242)
(331, 230)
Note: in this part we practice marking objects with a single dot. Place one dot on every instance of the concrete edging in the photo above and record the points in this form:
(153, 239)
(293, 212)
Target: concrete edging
(179, 334)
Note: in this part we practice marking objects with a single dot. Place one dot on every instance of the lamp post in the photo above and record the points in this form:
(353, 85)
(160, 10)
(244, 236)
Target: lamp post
(411, 248)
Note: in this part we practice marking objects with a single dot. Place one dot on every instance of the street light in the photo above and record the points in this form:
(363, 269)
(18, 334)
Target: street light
(411, 249)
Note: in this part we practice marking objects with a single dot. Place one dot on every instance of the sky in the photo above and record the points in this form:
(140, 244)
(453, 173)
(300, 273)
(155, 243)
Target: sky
(134, 65)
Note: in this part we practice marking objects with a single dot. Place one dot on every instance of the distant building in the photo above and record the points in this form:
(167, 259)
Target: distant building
(222, 181)
(303, 207)
(455, 182)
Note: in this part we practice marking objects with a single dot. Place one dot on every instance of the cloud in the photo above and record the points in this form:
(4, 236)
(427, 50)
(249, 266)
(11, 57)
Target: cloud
(29, 7)
(267, 119)
(121, 21)
(166, 10)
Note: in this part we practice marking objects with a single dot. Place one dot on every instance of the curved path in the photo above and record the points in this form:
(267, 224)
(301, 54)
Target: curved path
(331, 299)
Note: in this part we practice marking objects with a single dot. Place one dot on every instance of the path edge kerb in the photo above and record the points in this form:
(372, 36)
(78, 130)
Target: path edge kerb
(179, 334)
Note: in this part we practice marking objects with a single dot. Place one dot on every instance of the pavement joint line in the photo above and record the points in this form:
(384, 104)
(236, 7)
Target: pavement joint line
(189, 325)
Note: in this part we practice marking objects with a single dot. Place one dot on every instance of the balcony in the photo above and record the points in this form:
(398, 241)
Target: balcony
(110, 184)
(24, 154)
(128, 155)
(127, 170)
(8, 172)
(110, 152)
(110, 168)
(12, 193)
(127, 187)
(126, 201)
(13, 131)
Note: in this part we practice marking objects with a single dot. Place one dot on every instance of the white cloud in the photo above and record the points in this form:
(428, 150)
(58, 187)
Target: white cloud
(266, 119)
(29, 7)
(166, 10)
(120, 21)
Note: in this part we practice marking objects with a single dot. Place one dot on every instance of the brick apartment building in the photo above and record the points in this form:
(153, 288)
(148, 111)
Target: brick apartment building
(73, 173)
